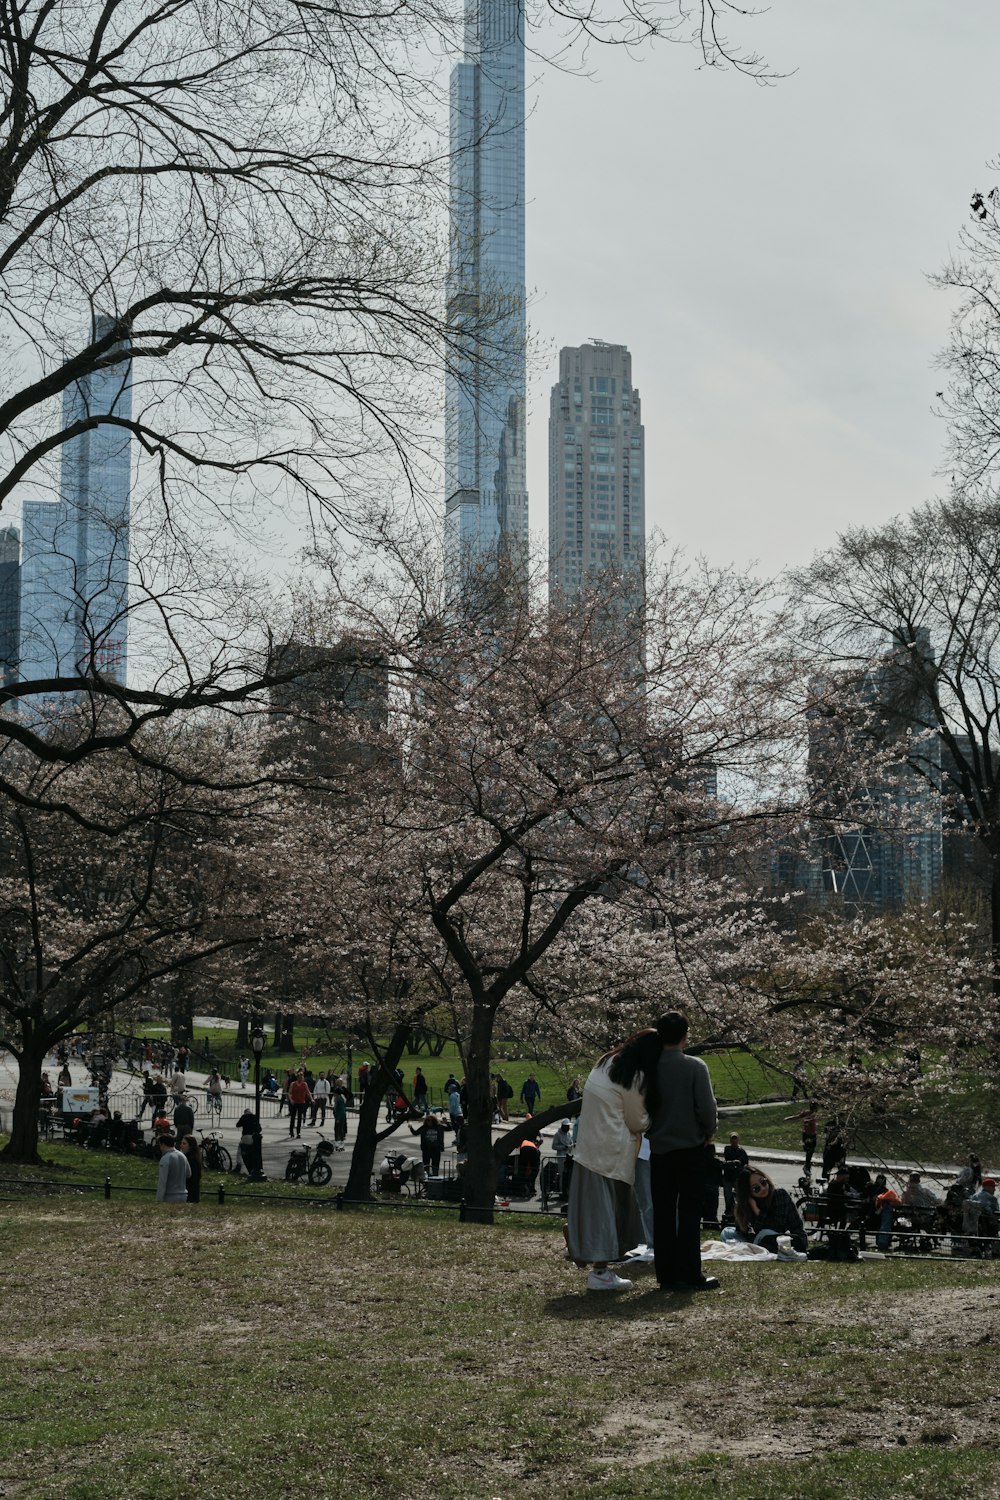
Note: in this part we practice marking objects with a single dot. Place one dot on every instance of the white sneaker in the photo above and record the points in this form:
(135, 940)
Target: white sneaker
(607, 1281)
(791, 1254)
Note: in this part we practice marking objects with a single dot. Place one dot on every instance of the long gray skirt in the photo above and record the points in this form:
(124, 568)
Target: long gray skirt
(603, 1221)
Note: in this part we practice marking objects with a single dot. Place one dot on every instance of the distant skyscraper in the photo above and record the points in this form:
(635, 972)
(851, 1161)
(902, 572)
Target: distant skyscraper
(486, 502)
(74, 576)
(335, 689)
(597, 508)
(10, 602)
(882, 843)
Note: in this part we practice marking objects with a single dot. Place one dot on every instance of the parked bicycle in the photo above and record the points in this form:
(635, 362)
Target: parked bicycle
(311, 1162)
(214, 1153)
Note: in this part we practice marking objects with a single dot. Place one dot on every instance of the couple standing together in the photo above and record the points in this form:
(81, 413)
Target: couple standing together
(647, 1086)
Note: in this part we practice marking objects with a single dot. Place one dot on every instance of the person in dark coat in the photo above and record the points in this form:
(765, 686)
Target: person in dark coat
(192, 1151)
(183, 1119)
(431, 1133)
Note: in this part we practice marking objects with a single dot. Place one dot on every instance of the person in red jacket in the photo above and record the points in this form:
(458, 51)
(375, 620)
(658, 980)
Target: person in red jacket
(299, 1097)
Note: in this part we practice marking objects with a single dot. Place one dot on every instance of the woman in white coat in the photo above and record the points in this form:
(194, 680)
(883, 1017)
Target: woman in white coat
(618, 1097)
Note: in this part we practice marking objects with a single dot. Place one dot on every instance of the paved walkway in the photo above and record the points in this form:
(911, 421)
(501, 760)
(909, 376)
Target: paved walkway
(784, 1166)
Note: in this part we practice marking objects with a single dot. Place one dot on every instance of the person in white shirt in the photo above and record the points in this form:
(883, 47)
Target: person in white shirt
(320, 1099)
(603, 1221)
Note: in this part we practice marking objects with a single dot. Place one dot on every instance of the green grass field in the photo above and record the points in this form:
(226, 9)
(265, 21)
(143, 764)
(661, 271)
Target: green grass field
(736, 1076)
(205, 1352)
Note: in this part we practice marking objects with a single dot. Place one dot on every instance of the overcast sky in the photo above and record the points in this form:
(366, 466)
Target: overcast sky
(763, 253)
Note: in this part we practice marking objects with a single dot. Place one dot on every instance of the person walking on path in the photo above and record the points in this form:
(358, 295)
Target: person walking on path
(321, 1092)
(298, 1097)
(603, 1222)
(244, 1070)
(420, 1091)
(808, 1117)
(683, 1121)
(505, 1094)
(531, 1094)
(175, 1170)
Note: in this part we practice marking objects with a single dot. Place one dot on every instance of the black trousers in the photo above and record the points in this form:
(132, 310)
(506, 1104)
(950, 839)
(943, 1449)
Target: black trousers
(296, 1118)
(677, 1183)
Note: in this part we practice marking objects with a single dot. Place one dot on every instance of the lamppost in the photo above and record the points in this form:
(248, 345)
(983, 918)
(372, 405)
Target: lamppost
(257, 1042)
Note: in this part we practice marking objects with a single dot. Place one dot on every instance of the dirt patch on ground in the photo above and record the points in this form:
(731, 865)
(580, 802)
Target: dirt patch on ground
(813, 1408)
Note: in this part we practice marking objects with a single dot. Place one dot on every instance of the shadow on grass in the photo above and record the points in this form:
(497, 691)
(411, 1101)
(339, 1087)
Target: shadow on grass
(583, 1306)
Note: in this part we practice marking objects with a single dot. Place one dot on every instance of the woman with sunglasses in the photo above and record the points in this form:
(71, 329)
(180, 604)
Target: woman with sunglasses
(763, 1212)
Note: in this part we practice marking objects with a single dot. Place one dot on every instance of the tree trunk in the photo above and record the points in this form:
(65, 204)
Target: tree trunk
(243, 1033)
(480, 1180)
(995, 923)
(277, 1031)
(359, 1179)
(23, 1143)
(181, 1019)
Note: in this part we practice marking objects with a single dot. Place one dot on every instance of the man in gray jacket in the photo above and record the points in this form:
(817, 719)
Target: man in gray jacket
(682, 1127)
(175, 1169)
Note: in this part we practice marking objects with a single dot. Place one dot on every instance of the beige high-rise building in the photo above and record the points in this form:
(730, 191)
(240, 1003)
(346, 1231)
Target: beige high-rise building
(597, 509)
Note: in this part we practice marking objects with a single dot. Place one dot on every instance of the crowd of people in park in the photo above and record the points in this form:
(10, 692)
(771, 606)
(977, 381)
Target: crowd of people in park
(646, 1176)
(635, 1167)
(305, 1092)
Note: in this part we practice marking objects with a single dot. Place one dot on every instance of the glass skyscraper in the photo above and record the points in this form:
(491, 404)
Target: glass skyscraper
(486, 502)
(74, 563)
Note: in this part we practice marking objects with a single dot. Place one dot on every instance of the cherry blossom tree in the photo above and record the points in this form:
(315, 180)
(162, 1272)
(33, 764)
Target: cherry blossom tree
(543, 773)
(148, 876)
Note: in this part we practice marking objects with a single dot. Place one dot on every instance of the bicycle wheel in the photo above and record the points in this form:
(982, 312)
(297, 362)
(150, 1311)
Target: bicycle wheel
(194, 1106)
(222, 1161)
(320, 1173)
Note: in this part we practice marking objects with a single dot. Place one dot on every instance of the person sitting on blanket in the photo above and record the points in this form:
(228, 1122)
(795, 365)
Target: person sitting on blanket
(763, 1212)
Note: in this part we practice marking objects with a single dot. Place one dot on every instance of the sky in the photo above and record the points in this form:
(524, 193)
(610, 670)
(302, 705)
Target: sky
(763, 252)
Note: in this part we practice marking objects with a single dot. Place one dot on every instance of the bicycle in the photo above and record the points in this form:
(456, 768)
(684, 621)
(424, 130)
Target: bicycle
(213, 1103)
(173, 1100)
(214, 1153)
(310, 1162)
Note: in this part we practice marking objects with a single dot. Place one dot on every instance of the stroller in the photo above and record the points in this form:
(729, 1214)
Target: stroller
(400, 1171)
(512, 1183)
(555, 1176)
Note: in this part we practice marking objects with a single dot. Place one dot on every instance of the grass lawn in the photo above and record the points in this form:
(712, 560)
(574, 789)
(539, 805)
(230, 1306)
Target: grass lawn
(205, 1352)
(736, 1076)
(935, 1129)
